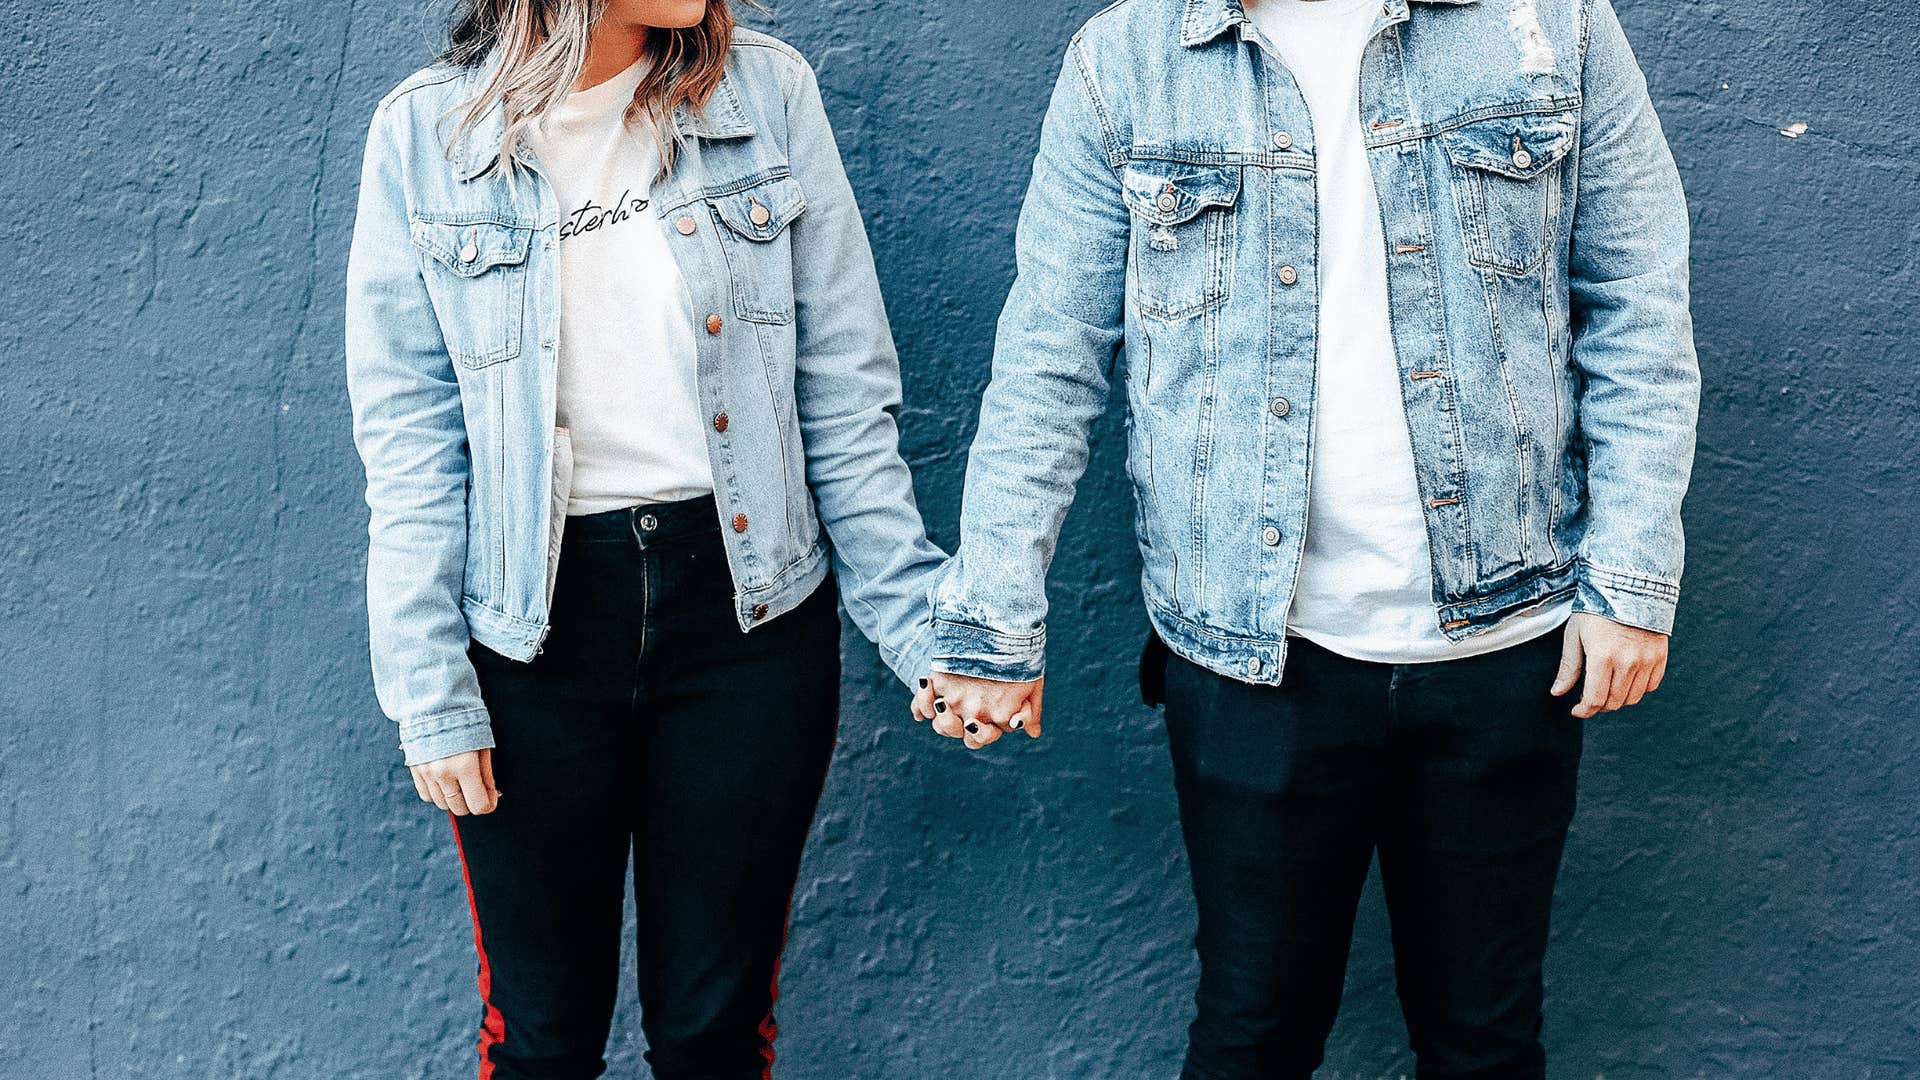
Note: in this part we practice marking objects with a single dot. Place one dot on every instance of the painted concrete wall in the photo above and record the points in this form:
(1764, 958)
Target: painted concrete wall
(211, 864)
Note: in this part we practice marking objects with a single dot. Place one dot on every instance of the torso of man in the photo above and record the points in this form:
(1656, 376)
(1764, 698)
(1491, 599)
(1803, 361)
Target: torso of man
(626, 388)
(1365, 585)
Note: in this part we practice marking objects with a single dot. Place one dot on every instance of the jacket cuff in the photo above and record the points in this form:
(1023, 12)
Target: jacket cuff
(1626, 598)
(979, 653)
(445, 735)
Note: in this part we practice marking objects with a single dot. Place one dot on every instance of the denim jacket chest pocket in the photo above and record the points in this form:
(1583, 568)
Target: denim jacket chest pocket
(758, 247)
(1181, 252)
(1506, 186)
(476, 277)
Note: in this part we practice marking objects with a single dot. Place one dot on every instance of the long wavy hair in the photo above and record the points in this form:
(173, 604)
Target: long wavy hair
(541, 47)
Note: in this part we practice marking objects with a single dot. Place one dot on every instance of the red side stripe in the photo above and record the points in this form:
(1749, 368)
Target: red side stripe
(769, 1030)
(493, 1029)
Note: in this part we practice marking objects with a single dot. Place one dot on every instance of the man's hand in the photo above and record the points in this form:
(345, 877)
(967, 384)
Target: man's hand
(978, 711)
(461, 784)
(1623, 663)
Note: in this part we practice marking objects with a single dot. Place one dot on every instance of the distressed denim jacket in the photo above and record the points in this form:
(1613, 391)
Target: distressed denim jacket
(453, 316)
(1536, 241)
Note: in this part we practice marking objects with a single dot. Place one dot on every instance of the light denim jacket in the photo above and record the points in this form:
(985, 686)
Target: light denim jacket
(453, 316)
(1537, 275)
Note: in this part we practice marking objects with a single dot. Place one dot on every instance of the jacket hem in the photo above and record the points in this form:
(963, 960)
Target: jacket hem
(1465, 618)
(1242, 658)
(788, 590)
(510, 636)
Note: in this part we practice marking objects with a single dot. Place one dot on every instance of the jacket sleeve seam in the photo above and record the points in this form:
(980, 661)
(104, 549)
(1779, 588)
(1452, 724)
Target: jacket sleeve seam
(1628, 581)
(441, 722)
(1115, 155)
(997, 637)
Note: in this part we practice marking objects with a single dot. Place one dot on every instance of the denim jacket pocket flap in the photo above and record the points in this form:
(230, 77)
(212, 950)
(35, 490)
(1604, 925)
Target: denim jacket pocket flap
(470, 249)
(1518, 147)
(761, 211)
(1165, 193)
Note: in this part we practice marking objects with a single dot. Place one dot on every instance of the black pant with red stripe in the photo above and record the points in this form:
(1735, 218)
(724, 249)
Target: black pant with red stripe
(649, 725)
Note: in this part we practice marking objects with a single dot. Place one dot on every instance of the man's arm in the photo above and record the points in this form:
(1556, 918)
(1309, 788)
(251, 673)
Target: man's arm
(1640, 381)
(1058, 337)
(1632, 340)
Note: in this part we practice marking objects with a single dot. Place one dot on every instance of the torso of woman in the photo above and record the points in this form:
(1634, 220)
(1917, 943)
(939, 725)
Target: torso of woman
(739, 347)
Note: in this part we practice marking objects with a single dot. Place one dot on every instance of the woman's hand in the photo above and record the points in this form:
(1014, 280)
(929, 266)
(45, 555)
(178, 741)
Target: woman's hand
(460, 785)
(996, 707)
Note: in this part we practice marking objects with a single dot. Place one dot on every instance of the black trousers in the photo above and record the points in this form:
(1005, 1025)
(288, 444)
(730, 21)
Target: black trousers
(1460, 774)
(649, 725)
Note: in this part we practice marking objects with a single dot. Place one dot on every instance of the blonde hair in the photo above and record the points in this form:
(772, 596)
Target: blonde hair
(539, 47)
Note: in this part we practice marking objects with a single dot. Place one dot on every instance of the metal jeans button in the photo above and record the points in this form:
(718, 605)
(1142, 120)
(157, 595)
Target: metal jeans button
(648, 523)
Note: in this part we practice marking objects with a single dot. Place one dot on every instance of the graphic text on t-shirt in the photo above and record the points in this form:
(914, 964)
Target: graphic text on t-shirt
(594, 216)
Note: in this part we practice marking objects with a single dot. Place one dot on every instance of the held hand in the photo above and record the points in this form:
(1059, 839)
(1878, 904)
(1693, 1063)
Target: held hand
(978, 711)
(461, 784)
(1623, 663)
(929, 705)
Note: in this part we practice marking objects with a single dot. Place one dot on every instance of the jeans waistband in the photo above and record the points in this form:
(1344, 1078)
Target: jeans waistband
(648, 524)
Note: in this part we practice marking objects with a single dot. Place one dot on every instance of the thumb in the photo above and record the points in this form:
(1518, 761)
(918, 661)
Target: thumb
(486, 773)
(1570, 654)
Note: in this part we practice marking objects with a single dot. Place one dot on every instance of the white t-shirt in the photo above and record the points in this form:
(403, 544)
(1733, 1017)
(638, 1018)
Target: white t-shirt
(1365, 585)
(627, 354)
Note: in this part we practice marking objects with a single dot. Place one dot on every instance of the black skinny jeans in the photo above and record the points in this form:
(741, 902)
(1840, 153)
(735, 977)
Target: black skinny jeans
(1461, 774)
(649, 725)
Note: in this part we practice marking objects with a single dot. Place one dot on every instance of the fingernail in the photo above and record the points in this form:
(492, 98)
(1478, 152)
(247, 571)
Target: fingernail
(939, 705)
(1017, 724)
(923, 684)
(973, 728)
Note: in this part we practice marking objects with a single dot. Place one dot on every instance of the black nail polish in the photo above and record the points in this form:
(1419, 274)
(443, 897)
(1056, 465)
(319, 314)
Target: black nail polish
(973, 728)
(939, 706)
(923, 684)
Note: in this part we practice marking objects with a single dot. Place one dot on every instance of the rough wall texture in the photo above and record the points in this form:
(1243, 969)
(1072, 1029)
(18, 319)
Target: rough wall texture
(210, 862)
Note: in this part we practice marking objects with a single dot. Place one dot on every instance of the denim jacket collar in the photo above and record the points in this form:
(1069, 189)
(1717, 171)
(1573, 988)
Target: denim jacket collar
(723, 118)
(1208, 19)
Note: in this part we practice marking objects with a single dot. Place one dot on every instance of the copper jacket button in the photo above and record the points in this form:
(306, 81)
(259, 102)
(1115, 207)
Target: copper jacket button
(713, 324)
(720, 423)
(740, 523)
(1288, 275)
(686, 225)
(759, 612)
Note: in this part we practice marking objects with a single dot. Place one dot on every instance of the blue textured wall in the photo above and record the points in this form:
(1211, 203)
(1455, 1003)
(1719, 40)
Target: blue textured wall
(211, 864)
